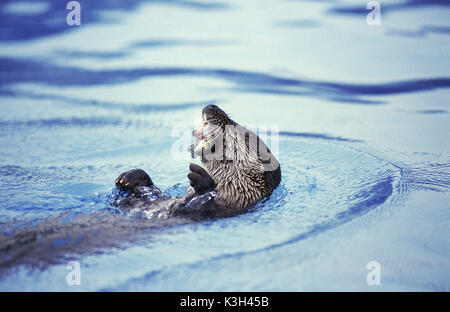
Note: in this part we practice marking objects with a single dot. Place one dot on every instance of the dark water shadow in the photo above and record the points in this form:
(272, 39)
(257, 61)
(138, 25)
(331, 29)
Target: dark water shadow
(316, 136)
(144, 44)
(98, 120)
(21, 71)
(360, 10)
(432, 111)
(40, 243)
(137, 108)
(158, 43)
(62, 122)
(83, 54)
(16, 26)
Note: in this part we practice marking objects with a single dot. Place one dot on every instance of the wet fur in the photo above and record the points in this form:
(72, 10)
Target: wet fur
(241, 175)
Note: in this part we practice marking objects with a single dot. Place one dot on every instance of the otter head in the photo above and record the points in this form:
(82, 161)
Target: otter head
(213, 116)
(220, 139)
(240, 163)
(209, 136)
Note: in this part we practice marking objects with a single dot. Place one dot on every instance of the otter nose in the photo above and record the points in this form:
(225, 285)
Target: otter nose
(197, 132)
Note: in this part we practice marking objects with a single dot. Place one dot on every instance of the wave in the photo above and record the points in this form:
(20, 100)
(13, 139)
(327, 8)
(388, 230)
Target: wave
(429, 176)
(145, 44)
(361, 10)
(316, 136)
(65, 122)
(15, 27)
(14, 70)
(432, 111)
(142, 108)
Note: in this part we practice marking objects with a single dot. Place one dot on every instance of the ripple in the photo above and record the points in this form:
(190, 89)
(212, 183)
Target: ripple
(14, 28)
(432, 111)
(144, 44)
(124, 107)
(38, 192)
(316, 136)
(324, 185)
(428, 176)
(377, 193)
(19, 70)
(62, 122)
(389, 7)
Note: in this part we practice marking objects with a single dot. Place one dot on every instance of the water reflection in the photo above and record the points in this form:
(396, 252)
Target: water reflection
(27, 20)
(21, 70)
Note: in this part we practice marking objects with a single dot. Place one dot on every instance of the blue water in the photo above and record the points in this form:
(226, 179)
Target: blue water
(362, 113)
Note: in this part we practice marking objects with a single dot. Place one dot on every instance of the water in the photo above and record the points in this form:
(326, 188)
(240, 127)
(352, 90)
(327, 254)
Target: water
(363, 117)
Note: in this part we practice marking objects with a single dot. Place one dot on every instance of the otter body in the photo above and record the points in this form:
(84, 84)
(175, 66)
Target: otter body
(239, 171)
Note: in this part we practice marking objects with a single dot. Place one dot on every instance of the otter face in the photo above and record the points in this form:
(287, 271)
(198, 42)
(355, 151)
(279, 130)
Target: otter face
(214, 122)
(214, 116)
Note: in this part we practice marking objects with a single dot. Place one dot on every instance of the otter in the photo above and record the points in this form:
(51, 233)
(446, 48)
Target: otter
(239, 171)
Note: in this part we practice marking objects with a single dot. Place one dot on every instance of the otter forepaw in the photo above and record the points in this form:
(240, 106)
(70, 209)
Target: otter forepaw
(200, 179)
(131, 179)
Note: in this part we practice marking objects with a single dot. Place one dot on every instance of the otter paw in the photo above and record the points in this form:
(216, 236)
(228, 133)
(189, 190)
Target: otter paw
(131, 179)
(200, 179)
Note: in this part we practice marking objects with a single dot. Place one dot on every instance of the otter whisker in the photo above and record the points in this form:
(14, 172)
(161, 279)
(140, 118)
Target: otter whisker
(212, 132)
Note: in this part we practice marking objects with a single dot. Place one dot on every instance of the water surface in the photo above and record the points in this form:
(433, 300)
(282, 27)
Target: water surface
(363, 119)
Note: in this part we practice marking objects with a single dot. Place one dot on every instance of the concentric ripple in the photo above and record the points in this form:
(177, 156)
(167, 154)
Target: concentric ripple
(324, 185)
